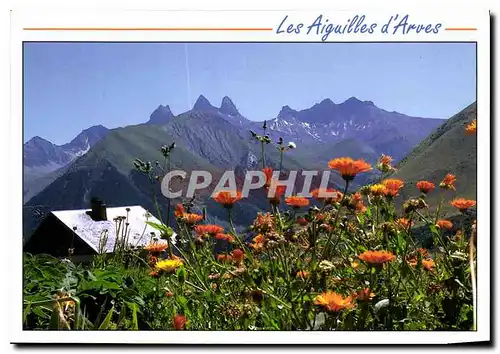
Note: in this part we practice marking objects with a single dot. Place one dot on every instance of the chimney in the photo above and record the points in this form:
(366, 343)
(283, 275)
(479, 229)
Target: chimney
(98, 210)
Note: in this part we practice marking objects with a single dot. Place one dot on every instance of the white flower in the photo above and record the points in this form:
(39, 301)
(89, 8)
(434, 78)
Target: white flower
(291, 145)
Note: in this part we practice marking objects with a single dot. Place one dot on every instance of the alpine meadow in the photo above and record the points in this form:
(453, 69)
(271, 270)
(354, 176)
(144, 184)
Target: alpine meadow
(359, 219)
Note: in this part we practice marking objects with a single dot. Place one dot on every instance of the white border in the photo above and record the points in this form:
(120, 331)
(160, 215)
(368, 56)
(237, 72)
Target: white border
(455, 16)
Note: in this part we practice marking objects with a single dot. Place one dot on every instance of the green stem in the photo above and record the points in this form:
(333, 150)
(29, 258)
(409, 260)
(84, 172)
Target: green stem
(327, 245)
(281, 160)
(473, 280)
(169, 206)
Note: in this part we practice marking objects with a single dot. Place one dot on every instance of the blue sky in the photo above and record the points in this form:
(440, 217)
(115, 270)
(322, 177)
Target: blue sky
(69, 87)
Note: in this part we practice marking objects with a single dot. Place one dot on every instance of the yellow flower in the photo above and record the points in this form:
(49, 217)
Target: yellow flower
(377, 189)
(168, 265)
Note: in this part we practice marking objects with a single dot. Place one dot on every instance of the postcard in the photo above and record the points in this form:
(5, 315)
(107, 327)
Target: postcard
(250, 176)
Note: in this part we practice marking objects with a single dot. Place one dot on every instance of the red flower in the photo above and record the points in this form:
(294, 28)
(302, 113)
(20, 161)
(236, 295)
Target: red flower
(179, 322)
(392, 186)
(297, 202)
(238, 255)
(225, 237)
(463, 204)
(425, 186)
(448, 182)
(444, 224)
(227, 198)
(179, 210)
(211, 230)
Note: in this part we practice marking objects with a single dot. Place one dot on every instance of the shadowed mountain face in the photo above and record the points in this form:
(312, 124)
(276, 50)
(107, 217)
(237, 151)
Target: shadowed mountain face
(160, 116)
(387, 132)
(217, 139)
(42, 160)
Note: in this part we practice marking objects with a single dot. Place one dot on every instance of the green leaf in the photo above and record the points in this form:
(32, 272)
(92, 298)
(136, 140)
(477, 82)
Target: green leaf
(133, 307)
(105, 325)
(26, 312)
(161, 227)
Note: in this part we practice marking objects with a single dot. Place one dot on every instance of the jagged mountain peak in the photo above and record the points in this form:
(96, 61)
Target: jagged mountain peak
(87, 137)
(228, 107)
(160, 115)
(286, 111)
(202, 104)
(37, 140)
(356, 102)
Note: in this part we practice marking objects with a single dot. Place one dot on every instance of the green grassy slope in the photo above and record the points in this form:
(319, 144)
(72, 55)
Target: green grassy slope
(447, 150)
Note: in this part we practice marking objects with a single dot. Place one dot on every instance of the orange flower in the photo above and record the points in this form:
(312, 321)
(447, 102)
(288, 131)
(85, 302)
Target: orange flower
(275, 198)
(302, 274)
(156, 247)
(238, 255)
(384, 163)
(425, 186)
(327, 195)
(211, 230)
(444, 224)
(404, 223)
(224, 237)
(227, 198)
(224, 258)
(333, 302)
(423, 252)
(354, 265)
(463, 204)
(297, 202)
(191, 219)
(356, 202)
(264, 223)
(348, 167)
(258, 242)
(364, 295)
(376, 257)
(179, 210)
(179, 322)
(471, 128)
(268, 171)
(448, 182)
(428, 264)
(392, 186)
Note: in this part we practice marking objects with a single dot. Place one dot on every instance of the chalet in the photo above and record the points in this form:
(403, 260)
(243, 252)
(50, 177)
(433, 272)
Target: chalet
(84, 232)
